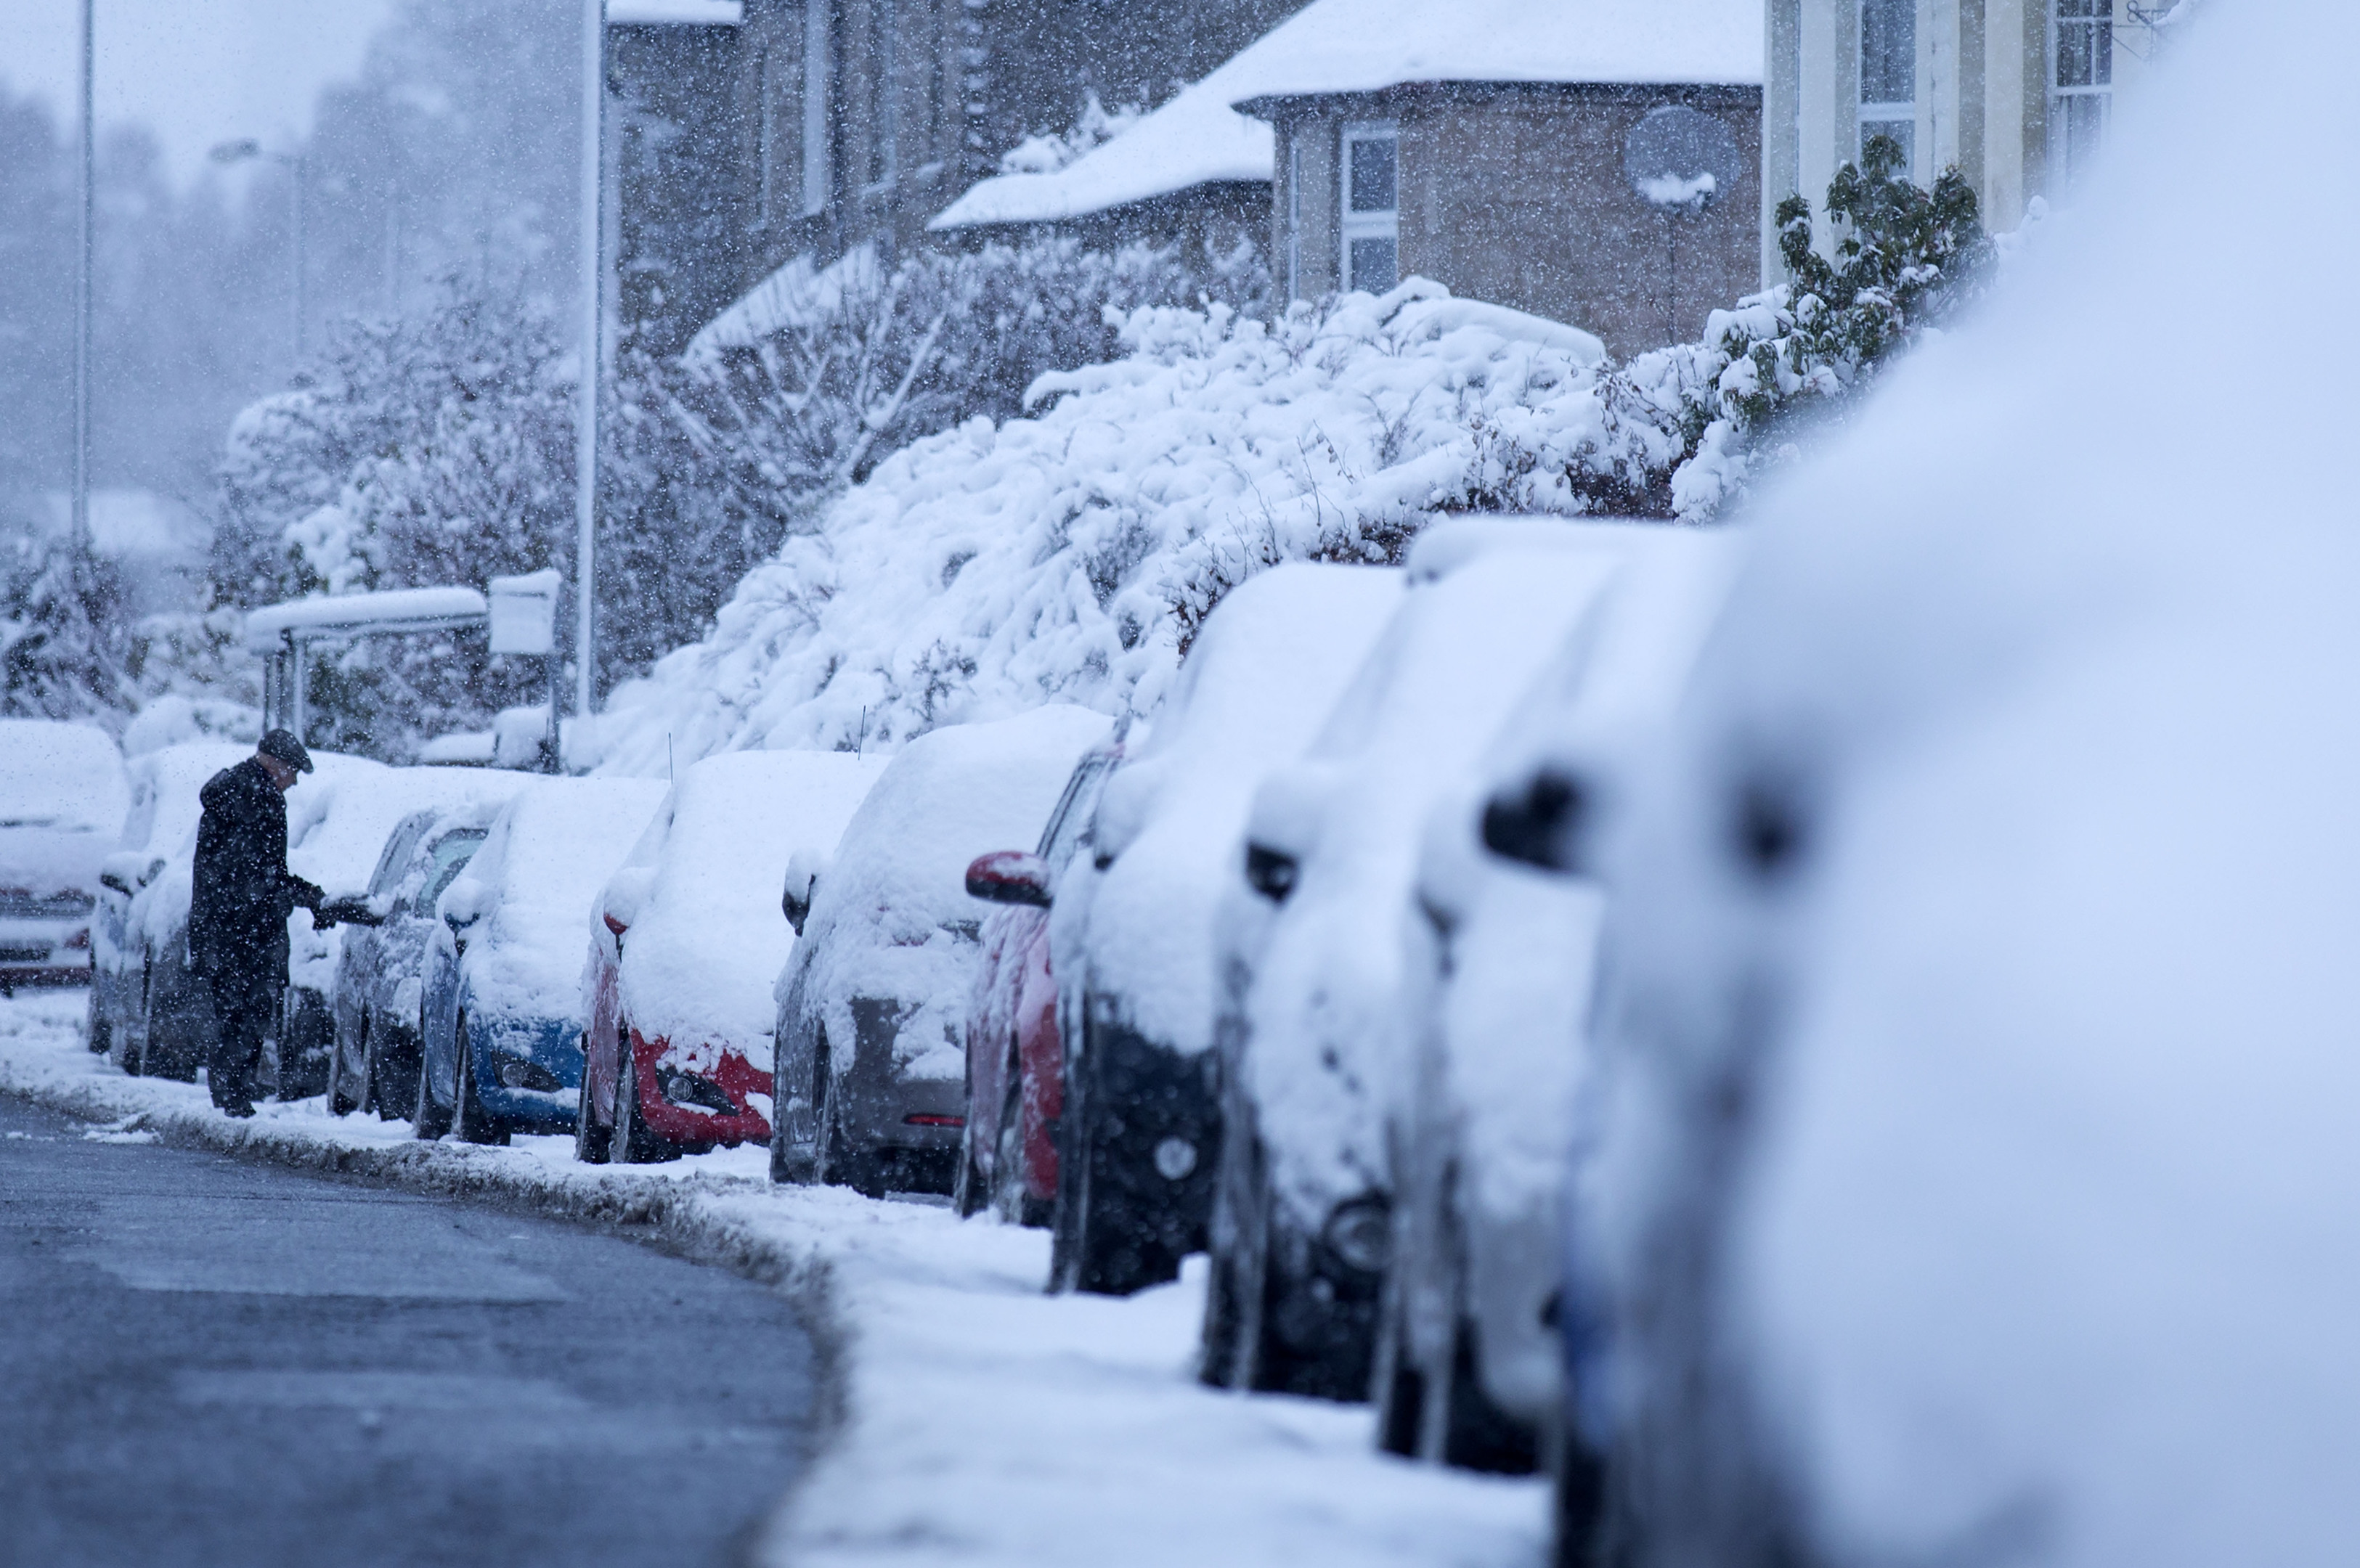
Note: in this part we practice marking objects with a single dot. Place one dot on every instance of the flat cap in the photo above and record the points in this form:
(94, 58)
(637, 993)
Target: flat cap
(280, 745)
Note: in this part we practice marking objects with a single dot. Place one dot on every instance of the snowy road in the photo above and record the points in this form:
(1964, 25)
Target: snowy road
(208, 1361)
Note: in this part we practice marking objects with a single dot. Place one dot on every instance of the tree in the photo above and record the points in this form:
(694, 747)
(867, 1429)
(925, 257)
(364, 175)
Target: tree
(61, 634)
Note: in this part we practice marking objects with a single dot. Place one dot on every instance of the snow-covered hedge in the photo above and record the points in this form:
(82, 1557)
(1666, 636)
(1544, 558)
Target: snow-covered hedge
(1069, 556)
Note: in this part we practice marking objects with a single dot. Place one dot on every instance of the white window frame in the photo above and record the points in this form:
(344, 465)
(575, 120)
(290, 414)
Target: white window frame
(818, 164)
(1876, 116)
(1358, 225)
(2069, 153)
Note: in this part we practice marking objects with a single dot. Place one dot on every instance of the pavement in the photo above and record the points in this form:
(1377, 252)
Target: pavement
(208, 1361)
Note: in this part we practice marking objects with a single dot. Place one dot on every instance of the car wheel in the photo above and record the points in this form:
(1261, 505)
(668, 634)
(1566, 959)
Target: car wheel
(1233, 1314)
(840, 1165)
(1399, 1385)
(589, 1148)
(429, 1120)
(970, 1192)
(341, 1103)
(632, 1143)
(102, 1035)
(1070, 1219)
(1009, 1194)
(473, 1122)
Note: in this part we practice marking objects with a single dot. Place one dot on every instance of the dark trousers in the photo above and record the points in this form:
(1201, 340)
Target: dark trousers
(245, 1006)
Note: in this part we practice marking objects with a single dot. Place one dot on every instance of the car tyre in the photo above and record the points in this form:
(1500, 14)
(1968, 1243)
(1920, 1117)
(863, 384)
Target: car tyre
(341, 1103)
(102, 1031)
(1399, 1386)
(839, 1164)
(472, 1121)
(589, 1148)
(1009, 1195)
(428, 1120)
(632, 1143)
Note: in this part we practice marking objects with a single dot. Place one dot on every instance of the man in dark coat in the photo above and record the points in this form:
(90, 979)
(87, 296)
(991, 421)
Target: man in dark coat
(238, 907)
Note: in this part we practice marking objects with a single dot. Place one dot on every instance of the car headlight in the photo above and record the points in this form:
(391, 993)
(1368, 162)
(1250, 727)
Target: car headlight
(1361, 1233)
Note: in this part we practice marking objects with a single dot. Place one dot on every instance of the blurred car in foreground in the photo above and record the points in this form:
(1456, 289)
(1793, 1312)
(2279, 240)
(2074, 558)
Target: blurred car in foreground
(1015, 1062)
(1480, 1126)
(871, 1025)
(1131, 932)
(380, 998)
(62, 801)
(1977, 1180)
(338, 830)
(502, 1047)
(686, 942)
(1311, 936)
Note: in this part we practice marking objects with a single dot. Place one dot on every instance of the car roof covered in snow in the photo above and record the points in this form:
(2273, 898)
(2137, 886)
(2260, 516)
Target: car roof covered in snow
(529, 886)
(1269, 665)
(1367, 46)
(64, 776)
(705, 945)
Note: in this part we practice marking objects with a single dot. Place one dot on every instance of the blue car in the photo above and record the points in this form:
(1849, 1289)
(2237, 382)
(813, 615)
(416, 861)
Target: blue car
(501, 1051)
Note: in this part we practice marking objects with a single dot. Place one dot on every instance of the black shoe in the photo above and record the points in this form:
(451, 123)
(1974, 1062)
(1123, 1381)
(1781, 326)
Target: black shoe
(241, 1109)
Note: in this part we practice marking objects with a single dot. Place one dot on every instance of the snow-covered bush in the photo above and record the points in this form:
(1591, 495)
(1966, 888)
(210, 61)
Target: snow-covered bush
(1068, 556)
(1906, 258)
(62, 630)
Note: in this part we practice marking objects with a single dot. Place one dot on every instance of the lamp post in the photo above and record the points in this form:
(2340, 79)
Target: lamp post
(594, 305)
(238, 152)
(81, 537)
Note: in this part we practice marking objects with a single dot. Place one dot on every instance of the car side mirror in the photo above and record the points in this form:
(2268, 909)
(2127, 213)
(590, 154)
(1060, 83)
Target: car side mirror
(803, 882)
(1009, 876)
(1538, 823)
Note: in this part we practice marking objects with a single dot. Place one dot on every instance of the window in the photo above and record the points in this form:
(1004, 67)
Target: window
(1372, 227)
(817, 68)
(1889, 76)
(2082, 91)
(449, 857)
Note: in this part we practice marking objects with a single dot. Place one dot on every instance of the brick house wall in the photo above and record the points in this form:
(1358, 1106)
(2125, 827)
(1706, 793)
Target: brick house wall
(1516, 194)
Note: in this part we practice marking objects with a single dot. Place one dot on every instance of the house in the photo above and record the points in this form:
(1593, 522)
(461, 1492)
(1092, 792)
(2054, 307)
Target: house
(1195, 172)
(2015, 94)
(1593, 161)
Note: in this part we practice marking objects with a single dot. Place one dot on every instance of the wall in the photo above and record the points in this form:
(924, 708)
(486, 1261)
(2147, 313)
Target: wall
(1517, 195)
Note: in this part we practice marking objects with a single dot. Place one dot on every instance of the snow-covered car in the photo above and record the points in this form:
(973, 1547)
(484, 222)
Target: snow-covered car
(1500, 965)
(169, 1027)
(1015, 1061)
(871, 1090)
(380, 998)
(1311, 941)
(502, 1047)
(338, 829)
(1977, 1181)
(62, 801)
(686, 942)
(1131, 932)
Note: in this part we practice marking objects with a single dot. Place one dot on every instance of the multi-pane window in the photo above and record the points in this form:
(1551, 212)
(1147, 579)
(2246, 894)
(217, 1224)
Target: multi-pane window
(1888, 75)
(1372, 227)
(818, 68)
(2081, 89)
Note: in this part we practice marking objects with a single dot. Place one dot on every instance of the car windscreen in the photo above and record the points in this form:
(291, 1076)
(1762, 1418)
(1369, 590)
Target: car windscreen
(447, 860)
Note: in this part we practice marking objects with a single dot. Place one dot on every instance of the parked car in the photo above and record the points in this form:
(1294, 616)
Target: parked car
(1311, 941)
(62, 803)
(380, 992)
(168, 1027)
(871, 1022)
(338, 829)
(1131, 932)
(1015, 1062)
(1501, 956)
(501, 1051)
(686, 942)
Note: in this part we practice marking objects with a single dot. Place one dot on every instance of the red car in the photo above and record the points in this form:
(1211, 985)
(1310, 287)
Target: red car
(686, 942)
(1015, 1062)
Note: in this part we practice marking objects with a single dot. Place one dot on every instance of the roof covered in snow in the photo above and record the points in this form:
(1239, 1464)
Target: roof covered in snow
(662, 13)
(1195, 139)
(1366, 46)
(398, 609)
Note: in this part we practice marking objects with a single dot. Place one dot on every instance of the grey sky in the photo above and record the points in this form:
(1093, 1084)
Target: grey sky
(197, 71)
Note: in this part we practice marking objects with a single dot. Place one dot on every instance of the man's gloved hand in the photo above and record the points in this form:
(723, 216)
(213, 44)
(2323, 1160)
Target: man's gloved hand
(308, 895)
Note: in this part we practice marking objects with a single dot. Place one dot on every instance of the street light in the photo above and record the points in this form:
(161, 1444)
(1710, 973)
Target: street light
(245, 148)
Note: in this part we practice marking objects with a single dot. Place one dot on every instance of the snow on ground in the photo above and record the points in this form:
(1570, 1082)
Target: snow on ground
(977, 1420)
